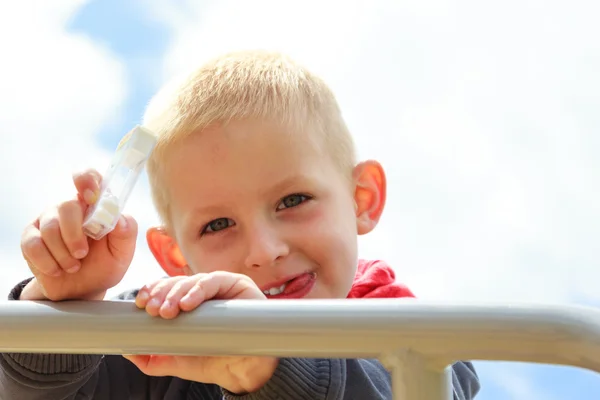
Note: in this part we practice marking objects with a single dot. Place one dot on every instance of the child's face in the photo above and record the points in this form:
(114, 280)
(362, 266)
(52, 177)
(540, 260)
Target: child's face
(252, 199)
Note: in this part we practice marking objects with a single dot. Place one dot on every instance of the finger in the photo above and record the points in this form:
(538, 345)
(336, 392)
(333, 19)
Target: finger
(70, 220)
(138, 360)
(143, 295)
(122, 240)
(156, 294)
(220, 285)
(36, 253)
(170, 306)
(52, 237)
(88, 184)
(153, 365)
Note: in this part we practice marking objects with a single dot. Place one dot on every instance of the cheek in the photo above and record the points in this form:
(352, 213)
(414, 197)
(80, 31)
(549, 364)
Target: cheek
(330, 240)
(201, 261)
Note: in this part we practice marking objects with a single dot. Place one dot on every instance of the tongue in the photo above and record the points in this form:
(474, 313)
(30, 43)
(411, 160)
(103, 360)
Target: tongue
(298, 283)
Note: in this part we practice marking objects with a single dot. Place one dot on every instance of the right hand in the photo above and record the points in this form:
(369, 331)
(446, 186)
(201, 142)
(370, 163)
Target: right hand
(66, 264)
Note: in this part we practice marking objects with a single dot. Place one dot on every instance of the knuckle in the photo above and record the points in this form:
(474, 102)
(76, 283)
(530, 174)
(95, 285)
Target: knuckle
(235, 276)
(50, 227)
(146, 288)
(72, 229)
(26, 241)
(66, 262)
(201, 282)
(178, 286)
(33, 247)
(160, 289)
(174, 294)
(245, 278)
(67, 208)
(217, 275)
(94, 174)
(87, 175)
(29, 237)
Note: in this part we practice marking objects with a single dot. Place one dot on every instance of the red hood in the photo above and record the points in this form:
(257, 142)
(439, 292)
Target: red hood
(376, 279)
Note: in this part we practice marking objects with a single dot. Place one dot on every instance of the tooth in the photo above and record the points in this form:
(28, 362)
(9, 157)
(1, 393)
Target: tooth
(275, 290)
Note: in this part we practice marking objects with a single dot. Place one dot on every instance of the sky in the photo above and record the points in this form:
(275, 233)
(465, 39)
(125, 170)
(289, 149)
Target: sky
(484, 115)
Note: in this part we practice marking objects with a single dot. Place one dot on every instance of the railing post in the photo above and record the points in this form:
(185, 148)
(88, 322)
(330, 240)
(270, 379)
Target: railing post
(413, 378)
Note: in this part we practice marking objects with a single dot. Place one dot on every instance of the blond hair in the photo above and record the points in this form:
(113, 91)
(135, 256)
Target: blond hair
(249, 84)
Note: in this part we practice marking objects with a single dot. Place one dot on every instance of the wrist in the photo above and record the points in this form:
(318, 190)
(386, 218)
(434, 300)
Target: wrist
(254, 378)
(32, 291)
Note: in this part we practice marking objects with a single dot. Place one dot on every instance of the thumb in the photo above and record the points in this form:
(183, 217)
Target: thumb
(153, 365)
(121, 241)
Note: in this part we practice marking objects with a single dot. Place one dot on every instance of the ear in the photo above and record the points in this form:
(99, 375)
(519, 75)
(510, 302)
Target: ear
(166, 251)
(369, 195)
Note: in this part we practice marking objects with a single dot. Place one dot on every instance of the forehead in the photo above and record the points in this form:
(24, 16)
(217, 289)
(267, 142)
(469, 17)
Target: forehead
(241, 157)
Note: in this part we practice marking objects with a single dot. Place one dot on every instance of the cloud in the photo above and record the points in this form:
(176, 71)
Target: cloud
(482, 115)
(57, 90)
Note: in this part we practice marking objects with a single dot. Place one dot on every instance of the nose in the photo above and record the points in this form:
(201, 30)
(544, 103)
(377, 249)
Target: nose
(265, 246)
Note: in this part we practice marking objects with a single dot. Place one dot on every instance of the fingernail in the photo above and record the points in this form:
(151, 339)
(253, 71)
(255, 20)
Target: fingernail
(73, 269)
(58, 272)
(166, 305)
(143, 296)
(89, 196)
(154, 303)
(122, 223)
(79, 254)
(97, 178)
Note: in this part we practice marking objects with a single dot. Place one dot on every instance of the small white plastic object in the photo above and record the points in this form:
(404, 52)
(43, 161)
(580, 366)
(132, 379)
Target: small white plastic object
(118, 182)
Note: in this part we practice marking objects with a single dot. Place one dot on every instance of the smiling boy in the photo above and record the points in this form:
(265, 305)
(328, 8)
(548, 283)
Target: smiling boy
(260, 195)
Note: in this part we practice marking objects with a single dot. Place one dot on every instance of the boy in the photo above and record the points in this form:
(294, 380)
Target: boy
(255, 180)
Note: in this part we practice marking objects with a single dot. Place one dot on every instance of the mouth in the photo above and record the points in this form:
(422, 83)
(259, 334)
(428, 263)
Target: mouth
(295, 288)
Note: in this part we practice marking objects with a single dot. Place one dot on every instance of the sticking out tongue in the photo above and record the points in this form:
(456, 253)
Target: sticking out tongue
(298, 283)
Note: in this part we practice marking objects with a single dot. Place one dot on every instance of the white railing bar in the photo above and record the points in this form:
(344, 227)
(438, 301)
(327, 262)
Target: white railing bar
(439, 332)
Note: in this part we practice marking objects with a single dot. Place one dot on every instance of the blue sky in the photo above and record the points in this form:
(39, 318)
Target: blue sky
(137, 41)
(485, 116)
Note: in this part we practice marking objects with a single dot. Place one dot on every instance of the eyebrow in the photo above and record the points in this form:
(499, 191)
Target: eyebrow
(287, 183)
(280, 186)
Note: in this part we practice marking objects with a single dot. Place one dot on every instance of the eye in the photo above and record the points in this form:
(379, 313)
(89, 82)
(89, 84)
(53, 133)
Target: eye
(292, 200)
(217, 225)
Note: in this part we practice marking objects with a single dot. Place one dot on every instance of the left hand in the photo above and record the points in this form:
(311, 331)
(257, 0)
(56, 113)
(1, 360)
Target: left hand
(167, 297)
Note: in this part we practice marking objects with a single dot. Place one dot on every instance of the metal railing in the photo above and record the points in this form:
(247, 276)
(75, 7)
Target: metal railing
(415, 340)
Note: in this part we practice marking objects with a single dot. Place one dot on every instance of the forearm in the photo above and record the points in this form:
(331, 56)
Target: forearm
(344, 379)
(297, 378)
(324, 379)
(33, 291)
(42, 376)
(45, 376)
